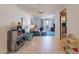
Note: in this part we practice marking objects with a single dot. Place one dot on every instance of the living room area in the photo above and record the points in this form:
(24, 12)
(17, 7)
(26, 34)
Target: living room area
(44, 25)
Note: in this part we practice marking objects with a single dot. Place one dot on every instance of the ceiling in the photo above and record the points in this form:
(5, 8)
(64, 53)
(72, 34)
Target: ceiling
(37, 9)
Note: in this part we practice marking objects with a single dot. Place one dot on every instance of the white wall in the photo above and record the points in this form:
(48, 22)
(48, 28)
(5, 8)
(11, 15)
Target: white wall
(9, 14)
(57, 25)
(73, 19)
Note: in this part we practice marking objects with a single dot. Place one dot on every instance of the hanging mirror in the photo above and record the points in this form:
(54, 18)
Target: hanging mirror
(63, 24)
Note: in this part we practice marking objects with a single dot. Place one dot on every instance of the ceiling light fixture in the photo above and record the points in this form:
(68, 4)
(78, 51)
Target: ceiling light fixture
(40, 11)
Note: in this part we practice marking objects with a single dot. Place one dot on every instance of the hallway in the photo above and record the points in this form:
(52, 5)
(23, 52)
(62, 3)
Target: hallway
(45, 25)
(42, 45)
